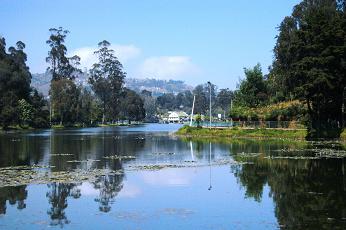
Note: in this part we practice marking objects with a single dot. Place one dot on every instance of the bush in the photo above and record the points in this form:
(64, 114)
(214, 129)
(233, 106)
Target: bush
(284, 111)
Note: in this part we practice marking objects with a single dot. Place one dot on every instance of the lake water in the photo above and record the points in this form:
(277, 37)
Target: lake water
(155, 180)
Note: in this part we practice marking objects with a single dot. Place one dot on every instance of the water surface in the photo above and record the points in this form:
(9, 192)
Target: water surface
(240, 184)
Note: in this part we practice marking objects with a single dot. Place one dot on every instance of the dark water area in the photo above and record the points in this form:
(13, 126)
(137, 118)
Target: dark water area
(239, 184)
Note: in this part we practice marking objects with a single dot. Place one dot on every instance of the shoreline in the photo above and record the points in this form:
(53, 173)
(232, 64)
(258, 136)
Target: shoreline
(250, 133)
(53, 127)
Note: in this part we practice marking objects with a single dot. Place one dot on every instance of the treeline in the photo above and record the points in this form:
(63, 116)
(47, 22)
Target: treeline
(108, 101)
(220, 100)
(258, 99)
(19, 104)
(309, 66)
(307, 79)
(105, 99)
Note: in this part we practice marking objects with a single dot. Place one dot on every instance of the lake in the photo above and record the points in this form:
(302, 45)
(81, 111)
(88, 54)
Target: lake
(144, 177)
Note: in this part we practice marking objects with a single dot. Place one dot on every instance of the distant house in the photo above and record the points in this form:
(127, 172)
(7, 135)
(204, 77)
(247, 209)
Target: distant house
(177, 116)
(173, 117)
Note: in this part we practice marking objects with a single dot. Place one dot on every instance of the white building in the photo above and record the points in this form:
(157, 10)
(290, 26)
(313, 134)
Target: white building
(177, 116)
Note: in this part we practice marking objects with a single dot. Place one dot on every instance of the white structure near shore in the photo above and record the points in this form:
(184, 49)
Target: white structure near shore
(175, 117)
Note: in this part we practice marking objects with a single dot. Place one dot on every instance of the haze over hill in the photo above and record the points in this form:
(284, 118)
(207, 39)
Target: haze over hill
(156, 86)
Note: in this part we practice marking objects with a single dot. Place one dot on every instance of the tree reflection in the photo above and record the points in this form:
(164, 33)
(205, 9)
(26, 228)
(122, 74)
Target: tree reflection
(309, 194)
(20, 150)
(109, 186)
(14, 195)
(57, 198)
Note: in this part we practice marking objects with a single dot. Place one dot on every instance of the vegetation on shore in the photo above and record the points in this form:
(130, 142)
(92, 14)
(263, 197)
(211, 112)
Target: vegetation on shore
(305, 83)
(70, 103)
(308, 66)
(224, 135)
(242, 133)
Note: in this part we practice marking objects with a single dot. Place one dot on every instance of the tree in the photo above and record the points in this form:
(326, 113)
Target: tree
(85, 106)
(132, 106)
(167, 101)
(64, 92)
(40, 110)
(201, 101)
(26, 112)
(64, 98)
(15, 80)
(184, 100)
(223, 99)
(252, 90)
(61, 66)
(310, 62)
(149, 106)
(107, 79)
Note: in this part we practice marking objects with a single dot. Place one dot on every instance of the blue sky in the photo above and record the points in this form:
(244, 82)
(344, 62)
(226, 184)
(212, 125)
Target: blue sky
(195, 41)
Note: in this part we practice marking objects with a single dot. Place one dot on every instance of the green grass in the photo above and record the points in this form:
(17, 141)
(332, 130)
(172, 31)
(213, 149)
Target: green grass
(294, 134)
(242, 133)
(58, 126)
(343, 135)
(17, 127)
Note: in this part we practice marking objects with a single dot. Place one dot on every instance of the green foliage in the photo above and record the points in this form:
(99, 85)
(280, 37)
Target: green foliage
(167, 101)
(64, 101)
(64, 92)
(181, 101)
(202, 94)
(70, 104)
(310, 62)
(88, 108)
(61, 66)
(283, 111)
(149, 106)
(241, 133)
(15, 80)
(223, 99)
(26, 111)
(242, 113)
(252, 90)
(107, 79)
(198, 119)
(9, 116)
(40, 110)
(132, 106)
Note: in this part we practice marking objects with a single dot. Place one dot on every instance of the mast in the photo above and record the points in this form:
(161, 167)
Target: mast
(193, 107)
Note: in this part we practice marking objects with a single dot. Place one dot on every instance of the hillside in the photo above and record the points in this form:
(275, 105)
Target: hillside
(157, 87)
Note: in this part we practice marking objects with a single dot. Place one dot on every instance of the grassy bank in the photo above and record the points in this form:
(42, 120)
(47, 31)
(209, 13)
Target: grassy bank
(241, 133)
(17, 127)
(294, 134)
(79, 125)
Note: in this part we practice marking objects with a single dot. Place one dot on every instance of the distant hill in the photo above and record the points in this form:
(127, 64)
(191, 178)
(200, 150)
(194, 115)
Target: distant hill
(41, 82)
(157, 87)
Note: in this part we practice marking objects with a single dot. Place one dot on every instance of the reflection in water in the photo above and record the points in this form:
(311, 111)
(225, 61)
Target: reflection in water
(109, 186)
(306, 194)
(191, 149)
(209, 166)
(57, 198)
(309, 194)
(23, 150)
(14, 195)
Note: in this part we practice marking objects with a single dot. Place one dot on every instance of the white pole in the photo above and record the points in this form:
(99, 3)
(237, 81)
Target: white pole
(209, 104)
(209, 166)
(193, 107)
(191, 149)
